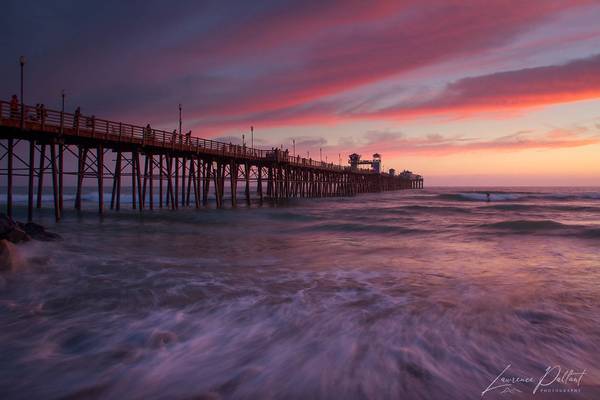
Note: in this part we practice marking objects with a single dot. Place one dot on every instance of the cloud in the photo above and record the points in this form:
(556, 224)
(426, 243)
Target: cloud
(510, 90)
(502, 92)
(393, 144)
(230, 62)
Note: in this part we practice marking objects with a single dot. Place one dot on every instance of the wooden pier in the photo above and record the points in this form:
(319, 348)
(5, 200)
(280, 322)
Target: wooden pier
(185, 170)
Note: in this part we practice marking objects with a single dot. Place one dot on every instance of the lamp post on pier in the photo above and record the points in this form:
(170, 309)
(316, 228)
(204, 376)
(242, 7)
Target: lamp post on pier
(180, 119)
(22, 62)
(294, 146)
(252, 136)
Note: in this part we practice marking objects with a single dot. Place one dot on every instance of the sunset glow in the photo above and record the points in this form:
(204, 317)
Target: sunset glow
(464, 92)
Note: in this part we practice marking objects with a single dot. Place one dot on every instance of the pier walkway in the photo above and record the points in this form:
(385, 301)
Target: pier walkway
(183, 169)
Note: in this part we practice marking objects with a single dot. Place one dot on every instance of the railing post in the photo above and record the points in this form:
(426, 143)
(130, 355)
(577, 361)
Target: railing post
(120, 130)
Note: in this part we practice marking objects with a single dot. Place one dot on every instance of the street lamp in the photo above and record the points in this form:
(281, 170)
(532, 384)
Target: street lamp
(294, 145)
(252, 136)
(22, 62)
(62, 94)
(243, 140)
(179, 118)
(320, 154)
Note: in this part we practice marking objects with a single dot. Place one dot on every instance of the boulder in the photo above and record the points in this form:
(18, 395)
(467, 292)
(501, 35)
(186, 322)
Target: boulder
(6, 224)
(17, 232)
(10, 258)
(17, 235)
(38, 232)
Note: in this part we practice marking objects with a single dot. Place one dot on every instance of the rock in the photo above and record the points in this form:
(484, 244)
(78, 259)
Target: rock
(17, 232)
(6, 225)
(38, 232)
(17, 235)
(10, 259)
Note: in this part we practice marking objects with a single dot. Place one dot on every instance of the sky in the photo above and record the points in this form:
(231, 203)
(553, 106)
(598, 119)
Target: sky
(492, 92)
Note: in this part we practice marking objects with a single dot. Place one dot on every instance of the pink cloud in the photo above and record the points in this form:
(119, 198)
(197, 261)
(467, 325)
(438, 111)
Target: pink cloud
(511, 90)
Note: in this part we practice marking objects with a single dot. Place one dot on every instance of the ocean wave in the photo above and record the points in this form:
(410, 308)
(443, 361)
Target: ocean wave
(545, 226)
(517, 196)
(539, 207)
(362, 228)
(479, 196)
(527, 225)
(434, 209)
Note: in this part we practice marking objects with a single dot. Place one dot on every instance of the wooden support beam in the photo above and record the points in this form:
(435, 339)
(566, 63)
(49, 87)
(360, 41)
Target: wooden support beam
(191, 178)
(233, 173)
(41, 175)
(259, 183)
(136, 159)
(100, 173)
(9, 177)
(54, 181)
(80, 175)
(145, 181)
(133, 181)
(160, 181)
(151, 181)
(183, 162)
(171, 196)
(198, 181)
(176, 189)
(247, 166)
(116, 191)
(30, 182)
(217, 178)
(206, 188)
(61, 171)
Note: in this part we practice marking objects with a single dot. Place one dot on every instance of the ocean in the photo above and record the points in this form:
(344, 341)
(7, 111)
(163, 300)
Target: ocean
(429, 294)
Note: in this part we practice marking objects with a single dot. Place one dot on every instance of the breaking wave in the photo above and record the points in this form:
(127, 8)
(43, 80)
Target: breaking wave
(504, 196)
(544, 227)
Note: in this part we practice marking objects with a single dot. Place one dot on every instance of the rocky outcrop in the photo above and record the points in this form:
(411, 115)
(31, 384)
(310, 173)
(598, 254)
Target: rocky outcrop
(17, 232)
(38, 232)
(13, 232)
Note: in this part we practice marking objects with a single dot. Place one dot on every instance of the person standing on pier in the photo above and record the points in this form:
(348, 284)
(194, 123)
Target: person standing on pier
(174, 136)
(148, 132)
(14, 107)
(76, 117)
(188, 137)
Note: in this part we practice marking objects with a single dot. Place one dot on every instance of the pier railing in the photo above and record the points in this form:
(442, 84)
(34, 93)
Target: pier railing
(76, 124)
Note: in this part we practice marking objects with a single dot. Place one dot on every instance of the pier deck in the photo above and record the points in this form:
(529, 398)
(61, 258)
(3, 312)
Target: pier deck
(182, 168)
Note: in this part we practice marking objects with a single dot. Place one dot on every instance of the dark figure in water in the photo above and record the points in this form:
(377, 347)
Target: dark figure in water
(488, 197)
